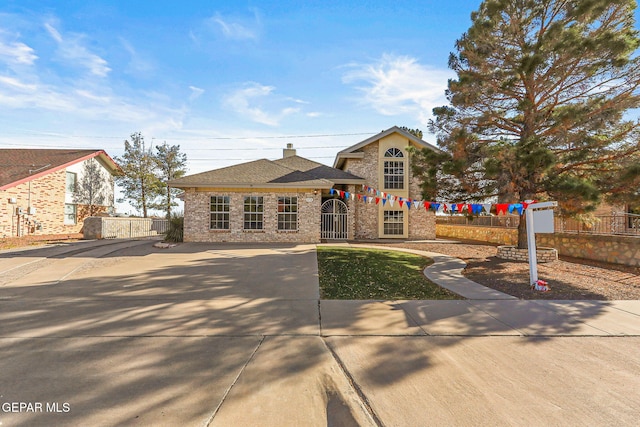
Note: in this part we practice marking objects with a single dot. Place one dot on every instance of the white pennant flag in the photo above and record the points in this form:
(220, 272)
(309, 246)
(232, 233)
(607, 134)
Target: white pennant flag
(392, 201)
(487, 207)
(416, 204)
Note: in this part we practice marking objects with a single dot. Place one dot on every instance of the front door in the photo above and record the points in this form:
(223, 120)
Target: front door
(334, 220)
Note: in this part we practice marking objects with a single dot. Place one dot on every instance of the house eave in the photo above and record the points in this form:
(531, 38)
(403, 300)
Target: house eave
(341, 157)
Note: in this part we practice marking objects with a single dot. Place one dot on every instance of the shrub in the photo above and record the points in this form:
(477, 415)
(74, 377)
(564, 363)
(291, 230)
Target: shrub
(175, 233)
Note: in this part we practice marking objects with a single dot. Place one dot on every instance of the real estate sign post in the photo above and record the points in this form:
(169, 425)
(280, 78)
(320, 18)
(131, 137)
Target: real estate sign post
(539, 217)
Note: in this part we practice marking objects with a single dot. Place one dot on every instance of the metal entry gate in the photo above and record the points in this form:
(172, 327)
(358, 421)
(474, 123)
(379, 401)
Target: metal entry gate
(334, 220)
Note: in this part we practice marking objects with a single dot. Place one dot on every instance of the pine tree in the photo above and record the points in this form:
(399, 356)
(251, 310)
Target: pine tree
(538, 109)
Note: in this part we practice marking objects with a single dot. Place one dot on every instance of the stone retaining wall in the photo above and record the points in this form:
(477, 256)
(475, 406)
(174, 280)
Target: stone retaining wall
(502, 236)
(542, 254)
(623, 250)
(614, 249)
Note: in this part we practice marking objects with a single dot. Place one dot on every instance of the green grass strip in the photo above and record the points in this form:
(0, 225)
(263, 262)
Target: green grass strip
(361, 274)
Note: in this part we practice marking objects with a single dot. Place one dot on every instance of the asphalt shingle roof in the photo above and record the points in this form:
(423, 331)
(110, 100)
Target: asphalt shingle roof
(258, 173)
(21, 164)
(320, 171)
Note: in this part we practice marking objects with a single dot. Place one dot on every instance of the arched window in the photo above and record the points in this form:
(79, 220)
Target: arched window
(394, 170)
(393, 152)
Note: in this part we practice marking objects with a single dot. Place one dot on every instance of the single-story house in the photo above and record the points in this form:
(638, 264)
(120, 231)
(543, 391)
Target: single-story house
(369, 193)
(38, 189)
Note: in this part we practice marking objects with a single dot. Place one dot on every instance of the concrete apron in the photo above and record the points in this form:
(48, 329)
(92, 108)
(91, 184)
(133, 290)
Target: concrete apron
(236, 335)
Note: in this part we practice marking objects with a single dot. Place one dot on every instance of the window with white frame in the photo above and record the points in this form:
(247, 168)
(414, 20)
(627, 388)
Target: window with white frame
(70, 214)
(219, 213)
(287, 213)
(253, 213)
(71, 182)
(393, 169)
(393, 223)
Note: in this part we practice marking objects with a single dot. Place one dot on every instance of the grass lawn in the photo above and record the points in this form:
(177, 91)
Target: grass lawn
(347, 273)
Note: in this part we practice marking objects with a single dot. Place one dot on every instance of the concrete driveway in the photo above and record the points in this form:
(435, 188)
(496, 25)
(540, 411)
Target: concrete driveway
(122, 333)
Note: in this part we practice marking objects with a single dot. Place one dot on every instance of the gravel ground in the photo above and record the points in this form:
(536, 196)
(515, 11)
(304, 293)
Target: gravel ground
(569, 278)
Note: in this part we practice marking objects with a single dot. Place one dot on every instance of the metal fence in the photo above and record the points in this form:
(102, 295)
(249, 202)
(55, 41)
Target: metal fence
(160, 226)
(501, 221)
(123, 228)
(619, 223)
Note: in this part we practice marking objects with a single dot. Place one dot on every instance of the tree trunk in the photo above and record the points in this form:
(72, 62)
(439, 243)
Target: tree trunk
(522, 232)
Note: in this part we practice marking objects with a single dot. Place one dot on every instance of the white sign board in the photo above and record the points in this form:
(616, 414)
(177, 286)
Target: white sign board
(543, 221)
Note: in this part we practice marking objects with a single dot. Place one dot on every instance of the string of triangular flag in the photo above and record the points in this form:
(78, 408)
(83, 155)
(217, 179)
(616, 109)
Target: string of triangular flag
(376, 196)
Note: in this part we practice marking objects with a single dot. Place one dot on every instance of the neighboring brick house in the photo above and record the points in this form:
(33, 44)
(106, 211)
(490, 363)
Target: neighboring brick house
(294, 199)
(37, 189)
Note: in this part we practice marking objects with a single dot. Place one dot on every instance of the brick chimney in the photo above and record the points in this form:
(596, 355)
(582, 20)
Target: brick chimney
(289, 151)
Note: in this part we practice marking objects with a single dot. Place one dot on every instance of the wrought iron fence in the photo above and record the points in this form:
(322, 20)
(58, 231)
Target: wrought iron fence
(619, 223)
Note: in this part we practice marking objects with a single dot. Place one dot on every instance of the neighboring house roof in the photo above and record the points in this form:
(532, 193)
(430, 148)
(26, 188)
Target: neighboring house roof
(22, 165)
(257, 174)
(354, 152)
(320, 171)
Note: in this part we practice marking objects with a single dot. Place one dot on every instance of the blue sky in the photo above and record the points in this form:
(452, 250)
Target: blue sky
(229, 81)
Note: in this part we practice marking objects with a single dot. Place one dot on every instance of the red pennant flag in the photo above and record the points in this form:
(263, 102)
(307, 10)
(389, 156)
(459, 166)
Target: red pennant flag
(359, 196)
(377, 200)
(501, 208)
(400, 202)
(427, 205)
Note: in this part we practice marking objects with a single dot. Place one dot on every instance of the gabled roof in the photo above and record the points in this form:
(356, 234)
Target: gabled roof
(354, 153)
(320, 171)
(257, 174)
(22, 165)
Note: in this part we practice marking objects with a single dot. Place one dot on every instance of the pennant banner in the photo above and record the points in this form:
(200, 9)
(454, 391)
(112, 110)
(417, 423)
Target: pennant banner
(373, 195)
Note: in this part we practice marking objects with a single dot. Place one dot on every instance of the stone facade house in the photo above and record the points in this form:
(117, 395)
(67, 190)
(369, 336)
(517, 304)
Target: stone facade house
(294, 199)
(37, 189)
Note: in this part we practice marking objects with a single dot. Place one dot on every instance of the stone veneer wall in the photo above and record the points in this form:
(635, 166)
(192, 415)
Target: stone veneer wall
(614, 249)
(623, 250)
(197, 218)
(365, 217)
(422, 223)
(47, 196)
(502, 236)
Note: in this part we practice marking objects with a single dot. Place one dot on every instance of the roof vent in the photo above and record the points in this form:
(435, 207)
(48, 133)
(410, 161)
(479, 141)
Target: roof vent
(289, 151)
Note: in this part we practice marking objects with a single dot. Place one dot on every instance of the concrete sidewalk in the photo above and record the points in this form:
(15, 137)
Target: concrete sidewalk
(234, 335)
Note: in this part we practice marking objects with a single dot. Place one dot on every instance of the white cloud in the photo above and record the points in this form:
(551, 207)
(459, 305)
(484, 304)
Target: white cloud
(396, 85)
(137, 64)
(237, 28)
(254, 100)
(196, 92)
(17, 53)
(70, 47)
